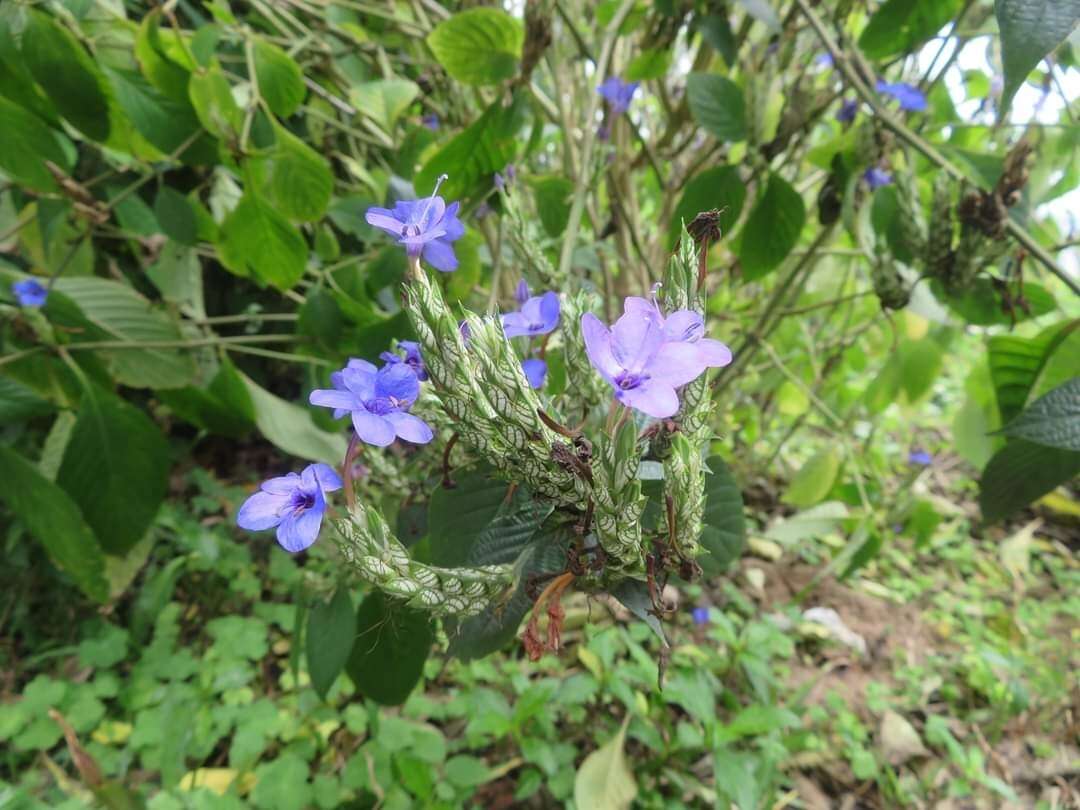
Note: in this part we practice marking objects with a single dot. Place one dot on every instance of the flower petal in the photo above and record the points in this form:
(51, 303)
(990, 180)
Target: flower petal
(451, 224)
(362, 365)
(441, 256)
(359, 381)
(676, 364)
(653, 397)
(384, 220)
(515, 324)
(634, 340)
(299, 531)
(684, 325)
(332, 398)
(597, 339)
(713, 353)
(282, 485)
(261, 511)
(535, 371)
(372, 429)
(322, 474)
(641, 306)
(549, 311)
(410, 428)
(397, 381)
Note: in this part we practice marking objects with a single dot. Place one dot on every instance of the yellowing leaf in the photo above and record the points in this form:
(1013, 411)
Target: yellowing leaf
(218, 780)
(604, 781)
(111, 732)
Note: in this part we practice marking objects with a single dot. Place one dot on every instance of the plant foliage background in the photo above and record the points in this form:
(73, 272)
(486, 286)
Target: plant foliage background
(886, 605)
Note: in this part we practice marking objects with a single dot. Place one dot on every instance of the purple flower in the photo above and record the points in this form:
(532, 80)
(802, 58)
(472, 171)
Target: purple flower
(824, 59)
(482, 210)
(29, 292)
(682, 326)
(521, 292)
(618, 93)
(411, 359)
(920, 458)
(431, 121)
(535, 371)
(639, 363)
(700, 615)
(377, 400)
(293, 503)
(425, 227)
(846, 113)
(910, 97)
(538, 316)
(508, 176)
(876, 178)
(602, 133)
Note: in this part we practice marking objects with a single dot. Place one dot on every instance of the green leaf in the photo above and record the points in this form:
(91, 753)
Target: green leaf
(723, 533)
(299, 180)
(478, 46)
(604, 780)
(719, 187)
(1022, 472)
(471, 157)
(1017, 364)
(289, 427)
(166, 123)
(70, 78)
(981, 303)
(867, 550)
(282, 784)
(814, 479)
(553, 195)
(901, 26)
(920, 363)
(25, 144)
(281, 82)
(258, 240)
(650, 64)
(223, 407)
(717, 104)
(119, 313)
(54, 519)
(19, 402)
(176, 216)
(331, 632)
(633, 594)
(1053, 419)
(115, 467)
(212, 99)
(1030, 29)
(392, 644)
(772, 229)
(384, 100)
(151, 52)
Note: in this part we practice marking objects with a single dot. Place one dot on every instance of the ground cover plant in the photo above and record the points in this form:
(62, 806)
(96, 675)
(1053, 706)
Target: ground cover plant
(654, 404)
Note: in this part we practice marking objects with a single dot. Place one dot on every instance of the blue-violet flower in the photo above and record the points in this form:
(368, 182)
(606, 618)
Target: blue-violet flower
(846, 113)
(682, 326)
(426, 227)
(293, 503)
(378, 402)
(910, 97)
(411, 358)
(920, 458)
(539, 314)
(876, 178)
(29, 292)
(535, 371)
(618, 93)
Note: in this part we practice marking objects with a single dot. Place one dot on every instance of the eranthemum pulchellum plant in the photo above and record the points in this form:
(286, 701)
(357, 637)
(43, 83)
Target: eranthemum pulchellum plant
(636, 391)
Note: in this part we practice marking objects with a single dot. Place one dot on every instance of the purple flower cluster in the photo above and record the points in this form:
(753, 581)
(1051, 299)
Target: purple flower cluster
(425, 227)
(910, 97)
(539, 315)
(645, 356)
(618, 93)
(29, 292)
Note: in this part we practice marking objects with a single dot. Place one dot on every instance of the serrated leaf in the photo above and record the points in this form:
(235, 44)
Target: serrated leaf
(604, 780)
(719, 187)
(258, 240)
(290, 428)
(330, 635)
(54, 519)
(1053, 419)
(901, 26)
(1017, 364)
(120, 313)
(115, 467)
(165, 73)
(299, 180)
(1030, 29)
(1020, 473)
(281, 82)
(166, 123)
(478, 46)
(772, 229)
(814, 479)
(392, 644)
(70, 78)
(723, 533)
(211, 97)
(717, 104)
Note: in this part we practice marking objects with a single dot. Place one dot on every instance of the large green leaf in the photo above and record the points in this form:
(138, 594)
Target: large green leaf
(121, 314)
(717, 104)
(901, 26)
(384, 100)
(70, 78)
(19, 402)
(115, 467)
(1053, 419)
(719, 187)
(1022, 472)
(290, 428)
(723, 534)
(772, 229)
(478, 46)
(25, 144)
(392, 643)
(604, 780)
(223, 407)
(258, 240)
(920, 362)
(281, 82)
(1017, 365)
(54, 519)
(1030, 29)
(166, 123)
(814, 479)
(553, 195)
(471, 157)
(211, 97)
(299, 180)
(157, 64)
(330, 635)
